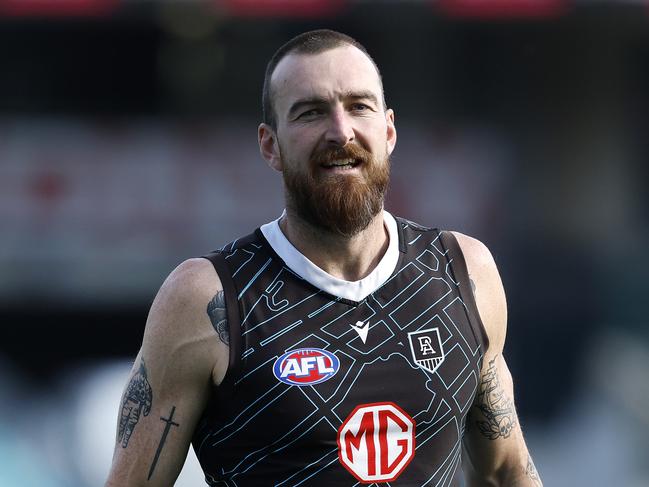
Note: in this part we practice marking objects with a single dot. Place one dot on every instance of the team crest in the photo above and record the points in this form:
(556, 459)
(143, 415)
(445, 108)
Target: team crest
(426, 348)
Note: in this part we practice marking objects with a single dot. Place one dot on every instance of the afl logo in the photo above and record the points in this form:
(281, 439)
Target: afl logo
(306, 366)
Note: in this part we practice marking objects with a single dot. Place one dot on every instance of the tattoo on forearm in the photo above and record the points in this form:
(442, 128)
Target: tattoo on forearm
(136, 401)
(531, 472)
(170, 422)
(494, 406)
(218, 317)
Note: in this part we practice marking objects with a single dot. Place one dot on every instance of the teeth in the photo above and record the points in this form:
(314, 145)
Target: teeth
(344, 162)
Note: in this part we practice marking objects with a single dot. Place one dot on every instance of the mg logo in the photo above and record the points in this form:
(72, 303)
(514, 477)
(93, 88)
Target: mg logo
(376, 442)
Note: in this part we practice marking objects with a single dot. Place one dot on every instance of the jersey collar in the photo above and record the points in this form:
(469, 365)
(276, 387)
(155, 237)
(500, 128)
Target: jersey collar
(307, 270)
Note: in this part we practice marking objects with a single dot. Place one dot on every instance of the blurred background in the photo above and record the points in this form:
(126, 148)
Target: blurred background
(128, 144)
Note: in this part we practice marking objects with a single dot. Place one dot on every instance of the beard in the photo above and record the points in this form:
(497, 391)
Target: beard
(343, 204)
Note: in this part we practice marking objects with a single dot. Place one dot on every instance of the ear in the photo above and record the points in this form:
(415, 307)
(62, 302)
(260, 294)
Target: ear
(269, 147)
(391, 130)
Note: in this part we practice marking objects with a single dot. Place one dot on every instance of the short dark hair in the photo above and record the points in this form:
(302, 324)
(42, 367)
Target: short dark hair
(312, 42)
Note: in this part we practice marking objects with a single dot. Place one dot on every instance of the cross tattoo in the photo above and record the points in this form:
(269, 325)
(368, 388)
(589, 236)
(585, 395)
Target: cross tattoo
(168, 426)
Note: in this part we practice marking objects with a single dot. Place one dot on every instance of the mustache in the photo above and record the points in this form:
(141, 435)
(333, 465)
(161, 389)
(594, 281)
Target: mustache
(349, 151)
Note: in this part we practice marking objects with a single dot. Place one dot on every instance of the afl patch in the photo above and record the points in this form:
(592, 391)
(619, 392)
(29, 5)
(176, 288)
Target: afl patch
(306, 366)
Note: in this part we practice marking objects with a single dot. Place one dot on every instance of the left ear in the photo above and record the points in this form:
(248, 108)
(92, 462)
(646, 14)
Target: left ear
(391, 130)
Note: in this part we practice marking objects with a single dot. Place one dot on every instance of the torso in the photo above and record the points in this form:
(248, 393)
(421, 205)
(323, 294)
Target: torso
(330, 383)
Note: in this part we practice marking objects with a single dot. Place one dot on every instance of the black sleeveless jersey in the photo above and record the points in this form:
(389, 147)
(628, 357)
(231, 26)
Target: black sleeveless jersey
(322, 390)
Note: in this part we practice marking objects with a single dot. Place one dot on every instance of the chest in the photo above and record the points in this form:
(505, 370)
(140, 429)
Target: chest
(409, 343)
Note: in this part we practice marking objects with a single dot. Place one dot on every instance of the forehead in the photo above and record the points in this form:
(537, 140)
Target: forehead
(329, 74)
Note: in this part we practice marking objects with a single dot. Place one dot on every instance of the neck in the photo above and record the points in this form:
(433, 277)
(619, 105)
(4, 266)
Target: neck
(348, 258)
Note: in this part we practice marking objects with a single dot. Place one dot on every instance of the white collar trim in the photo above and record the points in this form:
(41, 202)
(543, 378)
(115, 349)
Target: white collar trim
(307, 270)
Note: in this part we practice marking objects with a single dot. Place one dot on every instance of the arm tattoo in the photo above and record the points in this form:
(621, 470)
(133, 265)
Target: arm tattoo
(218, 317)
(170, 422)
(136, 401)
(531, 472)
(495, 406)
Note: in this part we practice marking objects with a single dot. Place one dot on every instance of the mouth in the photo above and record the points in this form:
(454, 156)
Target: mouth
(341, 164)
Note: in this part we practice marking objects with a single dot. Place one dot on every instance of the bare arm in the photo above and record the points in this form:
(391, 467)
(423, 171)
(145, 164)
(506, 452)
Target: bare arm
(494, 444)
(184, 352)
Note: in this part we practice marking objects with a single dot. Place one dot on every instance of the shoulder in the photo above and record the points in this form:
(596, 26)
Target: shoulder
(190, 281)
(488, 289)
(179, 308)
(476, 254)
(178, 329)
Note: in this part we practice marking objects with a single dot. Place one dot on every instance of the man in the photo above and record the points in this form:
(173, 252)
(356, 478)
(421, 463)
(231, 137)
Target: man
(337, 344)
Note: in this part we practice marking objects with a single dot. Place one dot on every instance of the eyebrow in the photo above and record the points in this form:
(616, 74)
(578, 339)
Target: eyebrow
(319, 101)
(362, 95)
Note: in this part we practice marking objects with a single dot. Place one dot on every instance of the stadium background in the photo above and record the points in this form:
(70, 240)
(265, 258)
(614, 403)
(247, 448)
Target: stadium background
(128, 143)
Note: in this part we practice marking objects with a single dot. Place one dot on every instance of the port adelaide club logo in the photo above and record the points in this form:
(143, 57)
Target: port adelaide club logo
(306, 366)
(426, 348)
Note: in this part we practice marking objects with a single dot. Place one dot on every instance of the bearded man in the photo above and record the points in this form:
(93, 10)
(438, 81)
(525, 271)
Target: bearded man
(337, 344)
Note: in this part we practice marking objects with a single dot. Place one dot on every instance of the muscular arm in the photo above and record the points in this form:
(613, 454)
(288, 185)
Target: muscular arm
(184, 352)
(494, 445)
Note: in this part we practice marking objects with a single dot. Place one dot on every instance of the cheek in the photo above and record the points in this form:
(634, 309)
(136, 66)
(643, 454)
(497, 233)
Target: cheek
(379, 140)
(300, 145)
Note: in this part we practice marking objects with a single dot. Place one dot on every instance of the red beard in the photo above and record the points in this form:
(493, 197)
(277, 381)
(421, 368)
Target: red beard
(339, 203)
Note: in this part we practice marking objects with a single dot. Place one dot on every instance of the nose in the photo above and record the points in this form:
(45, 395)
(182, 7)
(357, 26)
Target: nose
(340, 130)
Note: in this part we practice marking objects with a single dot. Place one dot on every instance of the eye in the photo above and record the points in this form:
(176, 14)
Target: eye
(360, 107)
(314, 112)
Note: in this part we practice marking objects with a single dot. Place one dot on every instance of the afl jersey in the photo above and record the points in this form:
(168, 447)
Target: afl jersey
(337, 383)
